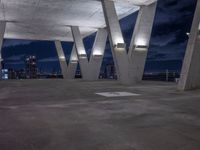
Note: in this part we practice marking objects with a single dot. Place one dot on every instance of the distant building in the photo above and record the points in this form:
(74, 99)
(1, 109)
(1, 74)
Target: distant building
(11, 74)
(21, 74)
(31, 67)
(110, 71)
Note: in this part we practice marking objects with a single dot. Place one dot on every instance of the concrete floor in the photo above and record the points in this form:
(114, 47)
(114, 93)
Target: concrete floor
(67, 115)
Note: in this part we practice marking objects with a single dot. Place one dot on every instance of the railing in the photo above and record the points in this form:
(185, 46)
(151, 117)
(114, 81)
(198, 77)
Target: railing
(167, 75)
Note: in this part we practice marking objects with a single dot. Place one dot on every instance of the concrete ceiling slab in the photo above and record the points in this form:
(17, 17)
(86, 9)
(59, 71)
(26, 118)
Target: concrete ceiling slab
(50, 19)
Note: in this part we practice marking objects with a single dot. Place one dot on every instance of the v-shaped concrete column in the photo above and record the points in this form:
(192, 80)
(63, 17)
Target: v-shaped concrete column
(2, 32)
(68, 70)
(140, 41)
(190, 75)
(130, 67)
(90, 69)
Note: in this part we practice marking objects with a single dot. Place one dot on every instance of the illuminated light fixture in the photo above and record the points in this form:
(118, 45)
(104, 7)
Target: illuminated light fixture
(199, 26)
(141, 41)
(83, 56)
(62, 57)
(120, 45)
(73, 58)
(82, 52)
(97, 52)
(141, 47)
(187, 33)
(74, 61)
(97, 56)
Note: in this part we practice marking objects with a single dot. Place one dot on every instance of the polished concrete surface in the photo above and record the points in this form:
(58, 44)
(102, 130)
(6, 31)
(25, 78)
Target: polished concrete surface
(67, 115)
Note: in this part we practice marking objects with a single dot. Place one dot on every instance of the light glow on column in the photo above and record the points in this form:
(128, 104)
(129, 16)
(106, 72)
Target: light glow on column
(119, 44)
(118, 40)
(73, 61)
(141, 41)
(120, 47)
(62, 57)
(82, 52)
(141, 44)
(74, 58)
(83, 56)
(141, 48)
(97, 53)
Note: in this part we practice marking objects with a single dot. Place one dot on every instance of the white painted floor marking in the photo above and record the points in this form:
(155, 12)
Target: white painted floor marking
(117, 94)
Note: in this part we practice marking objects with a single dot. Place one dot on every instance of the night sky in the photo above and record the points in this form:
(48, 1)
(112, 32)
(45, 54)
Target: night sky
(167, 47)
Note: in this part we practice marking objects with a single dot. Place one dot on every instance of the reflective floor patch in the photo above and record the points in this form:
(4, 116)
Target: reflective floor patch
(117, 94)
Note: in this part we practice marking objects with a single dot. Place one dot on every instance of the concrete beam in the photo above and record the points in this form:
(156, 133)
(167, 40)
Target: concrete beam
(90, 69)
(68, 70)
(190, 74)
(130, 66)
(2, 32)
